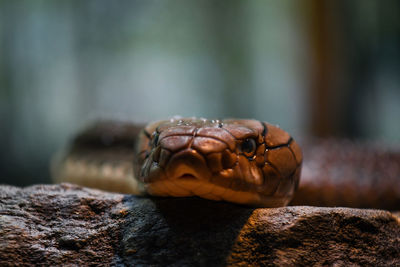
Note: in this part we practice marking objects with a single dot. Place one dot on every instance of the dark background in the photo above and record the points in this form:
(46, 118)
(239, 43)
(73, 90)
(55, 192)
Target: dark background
(316, 68)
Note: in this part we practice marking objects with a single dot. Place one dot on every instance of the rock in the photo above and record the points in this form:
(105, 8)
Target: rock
(69, 225)
(58, 224)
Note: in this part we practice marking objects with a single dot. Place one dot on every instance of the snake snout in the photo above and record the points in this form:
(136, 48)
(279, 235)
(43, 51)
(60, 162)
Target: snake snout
(187, 164)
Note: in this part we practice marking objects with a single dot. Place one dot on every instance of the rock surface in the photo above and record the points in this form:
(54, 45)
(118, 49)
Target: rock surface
(70, 225)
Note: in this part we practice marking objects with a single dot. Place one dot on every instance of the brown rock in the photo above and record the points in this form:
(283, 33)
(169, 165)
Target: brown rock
(57, 224)
(70, 225)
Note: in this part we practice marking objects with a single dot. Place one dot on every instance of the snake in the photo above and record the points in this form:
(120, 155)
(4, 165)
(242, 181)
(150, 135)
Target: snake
(243, 161)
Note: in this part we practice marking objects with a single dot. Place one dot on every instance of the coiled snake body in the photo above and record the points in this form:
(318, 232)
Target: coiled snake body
(242, 161)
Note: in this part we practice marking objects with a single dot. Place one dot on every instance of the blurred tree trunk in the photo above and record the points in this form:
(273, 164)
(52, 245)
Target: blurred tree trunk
(325, 91)
(349, 43)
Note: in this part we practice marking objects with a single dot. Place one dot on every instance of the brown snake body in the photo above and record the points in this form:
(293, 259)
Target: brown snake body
(241, 161)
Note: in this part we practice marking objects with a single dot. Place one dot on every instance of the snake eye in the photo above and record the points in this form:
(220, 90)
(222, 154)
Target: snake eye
(248, 147)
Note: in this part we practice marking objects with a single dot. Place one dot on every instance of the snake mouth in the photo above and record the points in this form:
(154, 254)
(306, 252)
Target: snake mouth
(187, 176)
(207, 190)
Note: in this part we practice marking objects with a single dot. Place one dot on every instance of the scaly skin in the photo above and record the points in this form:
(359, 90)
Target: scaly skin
(241, 161)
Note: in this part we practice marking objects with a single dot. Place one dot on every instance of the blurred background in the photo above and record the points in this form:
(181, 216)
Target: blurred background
(316, 68)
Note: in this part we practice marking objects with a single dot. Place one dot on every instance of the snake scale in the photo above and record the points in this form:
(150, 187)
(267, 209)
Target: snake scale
(242, 161)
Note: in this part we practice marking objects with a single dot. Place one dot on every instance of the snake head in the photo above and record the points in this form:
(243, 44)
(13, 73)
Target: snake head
(241, 161)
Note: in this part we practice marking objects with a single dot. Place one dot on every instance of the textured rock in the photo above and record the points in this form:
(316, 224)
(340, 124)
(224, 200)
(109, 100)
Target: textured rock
(65, 224)
(57, 224)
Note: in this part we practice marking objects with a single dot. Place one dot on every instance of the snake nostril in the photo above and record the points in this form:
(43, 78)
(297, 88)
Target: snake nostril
(228, 159)
(187, 162)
